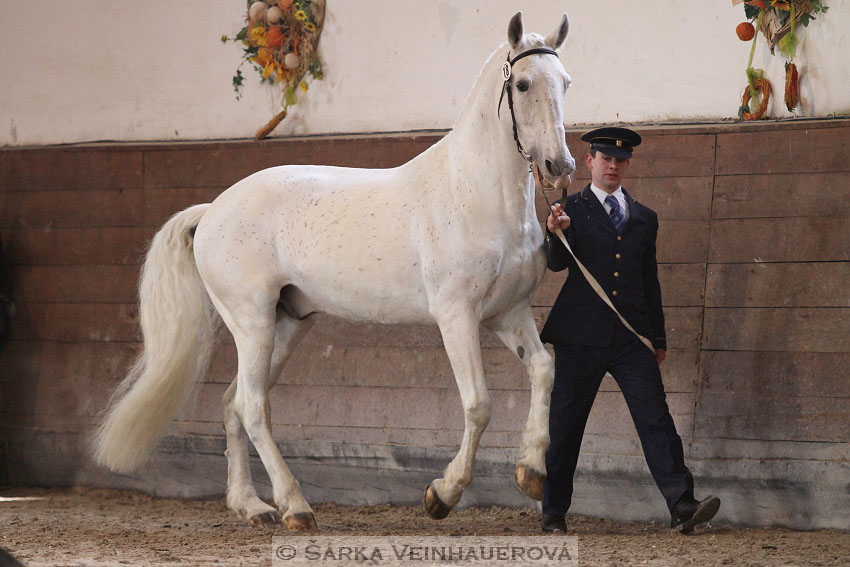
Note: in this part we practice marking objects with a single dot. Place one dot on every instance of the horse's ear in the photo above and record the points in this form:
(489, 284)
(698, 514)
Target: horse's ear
(557, 37)
(515, 31)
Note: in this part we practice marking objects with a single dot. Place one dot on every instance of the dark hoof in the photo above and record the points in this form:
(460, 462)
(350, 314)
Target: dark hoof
(530, 482)
(301, 522)
(435, 507)
(265, 519)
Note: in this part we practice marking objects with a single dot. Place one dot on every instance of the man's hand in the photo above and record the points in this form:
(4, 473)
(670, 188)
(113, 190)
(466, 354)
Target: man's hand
(660, 355)
(558, 219)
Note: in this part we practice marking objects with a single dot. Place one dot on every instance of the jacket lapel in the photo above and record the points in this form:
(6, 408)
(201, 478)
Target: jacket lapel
(597, 211)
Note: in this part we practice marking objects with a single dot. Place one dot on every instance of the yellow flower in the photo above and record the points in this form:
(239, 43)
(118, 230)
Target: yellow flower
(310, 27)
(303, 86)
(268, 70)
(258, 35)
(301, 15)
(265, 56)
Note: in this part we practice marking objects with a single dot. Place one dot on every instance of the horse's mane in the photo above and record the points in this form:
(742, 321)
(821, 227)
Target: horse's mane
(491, 69)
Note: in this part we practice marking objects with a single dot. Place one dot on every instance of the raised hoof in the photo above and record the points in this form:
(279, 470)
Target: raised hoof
(435, 507)
(530, 482)
(264, 519)
(301, 522)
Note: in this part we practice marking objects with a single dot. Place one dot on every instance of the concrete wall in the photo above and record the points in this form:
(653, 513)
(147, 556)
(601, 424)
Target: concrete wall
(91, 70)
(754, 263)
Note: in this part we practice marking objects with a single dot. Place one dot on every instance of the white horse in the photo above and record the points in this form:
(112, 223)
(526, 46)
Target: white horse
(450, 237)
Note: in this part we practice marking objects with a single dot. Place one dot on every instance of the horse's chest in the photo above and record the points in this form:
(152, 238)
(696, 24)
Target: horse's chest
(517, 270)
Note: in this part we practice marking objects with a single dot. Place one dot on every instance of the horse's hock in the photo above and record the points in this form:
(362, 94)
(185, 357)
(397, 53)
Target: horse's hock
(754, 246)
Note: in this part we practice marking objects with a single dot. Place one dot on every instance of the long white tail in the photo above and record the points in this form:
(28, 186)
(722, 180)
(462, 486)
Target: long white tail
(178, 323)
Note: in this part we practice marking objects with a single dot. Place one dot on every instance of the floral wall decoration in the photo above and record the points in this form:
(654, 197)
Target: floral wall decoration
(777, 20)
(280, 41)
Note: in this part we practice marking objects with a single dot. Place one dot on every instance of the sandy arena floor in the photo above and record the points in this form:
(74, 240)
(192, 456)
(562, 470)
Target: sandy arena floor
(111, 527)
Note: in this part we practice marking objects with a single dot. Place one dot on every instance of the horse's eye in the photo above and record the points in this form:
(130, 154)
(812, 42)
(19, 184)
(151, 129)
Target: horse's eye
(522, 86)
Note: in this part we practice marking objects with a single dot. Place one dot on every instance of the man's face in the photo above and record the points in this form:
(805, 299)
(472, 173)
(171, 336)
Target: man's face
(606, 171)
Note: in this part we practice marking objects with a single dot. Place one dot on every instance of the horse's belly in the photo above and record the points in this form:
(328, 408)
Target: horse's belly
(380, 284)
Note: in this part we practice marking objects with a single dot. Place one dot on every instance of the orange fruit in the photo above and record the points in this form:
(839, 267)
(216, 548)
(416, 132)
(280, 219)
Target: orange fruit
(745, 31)
(275, 37)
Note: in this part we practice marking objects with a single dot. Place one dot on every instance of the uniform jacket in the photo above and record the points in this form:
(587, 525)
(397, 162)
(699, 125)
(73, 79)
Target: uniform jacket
(624, 265)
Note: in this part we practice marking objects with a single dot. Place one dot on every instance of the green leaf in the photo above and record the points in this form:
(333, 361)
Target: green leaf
(788, 45)
(751, 12)
(238, 83)
(289, 97)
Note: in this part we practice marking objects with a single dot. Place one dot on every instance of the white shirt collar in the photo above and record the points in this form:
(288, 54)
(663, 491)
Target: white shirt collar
(618, 194)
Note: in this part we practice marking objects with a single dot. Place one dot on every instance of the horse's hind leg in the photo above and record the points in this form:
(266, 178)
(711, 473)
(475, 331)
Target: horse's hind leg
(247, 410)
(241, 495)
(461, 338)
(518, 331)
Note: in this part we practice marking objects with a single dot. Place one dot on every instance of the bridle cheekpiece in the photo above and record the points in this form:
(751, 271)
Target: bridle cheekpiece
(506, 87)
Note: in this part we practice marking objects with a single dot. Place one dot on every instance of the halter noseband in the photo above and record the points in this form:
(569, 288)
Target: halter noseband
(506, 73)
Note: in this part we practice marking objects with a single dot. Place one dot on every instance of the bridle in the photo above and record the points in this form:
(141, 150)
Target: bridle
(506, 87)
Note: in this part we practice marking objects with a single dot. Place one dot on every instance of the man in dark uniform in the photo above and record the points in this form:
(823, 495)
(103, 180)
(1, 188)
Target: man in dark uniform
(614, 237)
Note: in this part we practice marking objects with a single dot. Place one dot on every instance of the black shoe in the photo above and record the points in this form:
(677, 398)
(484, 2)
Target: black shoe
(553, 524)
(689, 512)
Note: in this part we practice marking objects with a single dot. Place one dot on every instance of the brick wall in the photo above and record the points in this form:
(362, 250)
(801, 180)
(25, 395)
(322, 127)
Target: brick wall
(754, 246)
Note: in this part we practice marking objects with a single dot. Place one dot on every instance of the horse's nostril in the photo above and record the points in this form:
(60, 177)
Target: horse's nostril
(552, 168)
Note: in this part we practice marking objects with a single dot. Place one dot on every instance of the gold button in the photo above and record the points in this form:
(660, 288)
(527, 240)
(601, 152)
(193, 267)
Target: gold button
(619, 237)
(616, 274)
(614, 292)
(617, 256)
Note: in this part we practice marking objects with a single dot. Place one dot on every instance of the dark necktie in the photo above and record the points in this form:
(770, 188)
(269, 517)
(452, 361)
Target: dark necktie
(616, 213)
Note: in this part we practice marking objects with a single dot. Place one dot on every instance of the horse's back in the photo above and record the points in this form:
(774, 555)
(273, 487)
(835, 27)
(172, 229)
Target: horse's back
(342, 236)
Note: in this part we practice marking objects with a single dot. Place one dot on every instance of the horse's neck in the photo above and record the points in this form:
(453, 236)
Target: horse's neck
(483, 151)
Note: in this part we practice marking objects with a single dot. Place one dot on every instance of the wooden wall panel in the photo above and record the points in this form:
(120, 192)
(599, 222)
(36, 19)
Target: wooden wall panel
(779, 374)
(794, 239)
(82, 246)
(785, 195)
(775, 418)
(804, 284)
(814, 147)
(753, 249)
(683, 241)
(85, 167)
(77, 283)
(784, 330)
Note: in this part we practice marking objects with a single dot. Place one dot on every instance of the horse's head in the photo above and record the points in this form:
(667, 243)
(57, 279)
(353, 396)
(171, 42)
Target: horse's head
(537, 84)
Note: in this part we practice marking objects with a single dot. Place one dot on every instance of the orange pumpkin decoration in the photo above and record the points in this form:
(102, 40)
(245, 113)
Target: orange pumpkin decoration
(275, 37)
(745, 31)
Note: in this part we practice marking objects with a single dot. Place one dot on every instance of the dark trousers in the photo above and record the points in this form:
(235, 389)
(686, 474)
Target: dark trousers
(578, 372)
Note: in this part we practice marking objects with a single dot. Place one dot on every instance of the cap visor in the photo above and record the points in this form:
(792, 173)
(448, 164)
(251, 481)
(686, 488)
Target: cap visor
(615, 152)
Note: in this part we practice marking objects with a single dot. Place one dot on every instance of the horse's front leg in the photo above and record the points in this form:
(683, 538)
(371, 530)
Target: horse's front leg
(516, 328)
(461, 338)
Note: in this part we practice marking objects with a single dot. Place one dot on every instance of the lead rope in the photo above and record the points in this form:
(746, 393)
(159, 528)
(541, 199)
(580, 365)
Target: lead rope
(590, 279)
